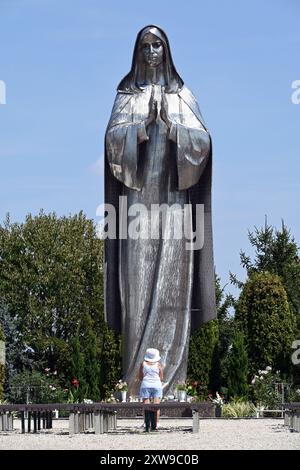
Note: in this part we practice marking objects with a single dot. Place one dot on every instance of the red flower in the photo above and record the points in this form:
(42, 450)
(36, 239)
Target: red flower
(210, 395)
(75, 383)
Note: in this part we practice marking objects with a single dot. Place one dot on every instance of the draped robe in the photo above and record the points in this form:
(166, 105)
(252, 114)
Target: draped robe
(153, 285)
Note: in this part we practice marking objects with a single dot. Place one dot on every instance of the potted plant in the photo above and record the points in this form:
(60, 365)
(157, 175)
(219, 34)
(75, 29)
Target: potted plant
(122, 387)
(218, 400)
(191, 391)
(181, 391)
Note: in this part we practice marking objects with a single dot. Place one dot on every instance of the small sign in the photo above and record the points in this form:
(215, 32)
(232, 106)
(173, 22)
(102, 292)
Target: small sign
(2, 352)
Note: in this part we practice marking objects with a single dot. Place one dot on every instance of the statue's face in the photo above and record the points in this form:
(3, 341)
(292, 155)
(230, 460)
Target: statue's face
(152, 50)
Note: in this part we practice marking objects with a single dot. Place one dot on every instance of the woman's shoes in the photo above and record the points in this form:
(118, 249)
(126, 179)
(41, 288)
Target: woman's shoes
(150, 421)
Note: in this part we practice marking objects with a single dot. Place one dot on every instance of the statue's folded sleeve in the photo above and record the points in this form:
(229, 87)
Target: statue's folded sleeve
(123, 137)
(192, 145)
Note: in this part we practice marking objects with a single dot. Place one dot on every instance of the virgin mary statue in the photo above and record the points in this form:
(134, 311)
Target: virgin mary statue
(158, 153)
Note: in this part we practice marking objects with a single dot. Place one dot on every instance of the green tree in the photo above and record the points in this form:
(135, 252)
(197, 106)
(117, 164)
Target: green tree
(209, 346)
(202, 355)
(2, 365)
(92, 367)
(226, 332)
(51, 268)
(51, 277)
(77, 370)
(277, 252)
(264, 315)
(2, 337)
(18, 355)
(110, 364)
(238, 369)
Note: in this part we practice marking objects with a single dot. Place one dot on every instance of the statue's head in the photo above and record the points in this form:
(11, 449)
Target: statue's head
(151, 49)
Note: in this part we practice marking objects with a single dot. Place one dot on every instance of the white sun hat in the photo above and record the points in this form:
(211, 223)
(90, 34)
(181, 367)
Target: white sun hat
(152, 355)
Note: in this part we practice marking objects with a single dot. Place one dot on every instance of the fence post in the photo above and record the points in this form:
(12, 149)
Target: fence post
(195, 421)
(97, 421)
(72, 422)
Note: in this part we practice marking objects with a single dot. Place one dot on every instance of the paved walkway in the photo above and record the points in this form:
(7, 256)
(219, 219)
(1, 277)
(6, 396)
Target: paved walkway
(173, 434)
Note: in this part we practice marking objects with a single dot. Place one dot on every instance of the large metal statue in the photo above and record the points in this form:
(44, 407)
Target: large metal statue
(158, 151)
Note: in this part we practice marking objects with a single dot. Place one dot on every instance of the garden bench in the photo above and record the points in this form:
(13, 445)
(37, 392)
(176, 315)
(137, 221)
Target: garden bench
(6, 421)
(105, 418)
(37, 417)
(260, 413)
(98, 417)
(292, 416)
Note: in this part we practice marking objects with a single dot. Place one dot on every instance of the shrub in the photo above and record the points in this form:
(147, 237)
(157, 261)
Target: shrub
(238, 408)
(2, 380)
(293, 394)
(263, 388)
(238, 368)
(36, 387)
(264, 315)
(110, 367)
(2, 366)
(203, 344)
(2, 337)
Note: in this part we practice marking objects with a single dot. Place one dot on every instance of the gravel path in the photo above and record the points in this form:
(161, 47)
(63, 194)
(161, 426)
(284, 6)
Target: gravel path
(173, 434)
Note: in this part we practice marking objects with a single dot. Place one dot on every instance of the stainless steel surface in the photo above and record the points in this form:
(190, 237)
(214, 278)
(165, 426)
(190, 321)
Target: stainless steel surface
(158, 150)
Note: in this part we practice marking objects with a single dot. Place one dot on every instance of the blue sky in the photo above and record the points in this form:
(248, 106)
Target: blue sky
(61, 61)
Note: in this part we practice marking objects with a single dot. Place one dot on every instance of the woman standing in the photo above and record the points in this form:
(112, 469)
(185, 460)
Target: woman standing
(151, 376)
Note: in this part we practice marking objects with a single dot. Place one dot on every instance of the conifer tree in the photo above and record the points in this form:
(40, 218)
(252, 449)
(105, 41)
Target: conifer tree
(238, 368)
(263, 313)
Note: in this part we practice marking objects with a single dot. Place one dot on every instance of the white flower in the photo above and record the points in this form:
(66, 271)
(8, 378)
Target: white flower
(261, 377)
(218, 400)
(253, 381)
(121, 386)
(268, 368)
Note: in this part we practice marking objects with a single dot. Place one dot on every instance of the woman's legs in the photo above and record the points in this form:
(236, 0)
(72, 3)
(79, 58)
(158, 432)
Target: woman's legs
(146, 418)
(157, 400)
